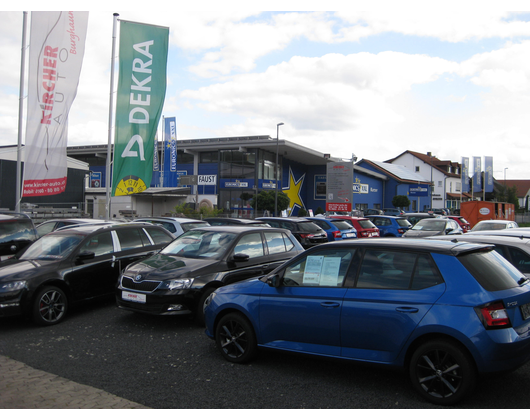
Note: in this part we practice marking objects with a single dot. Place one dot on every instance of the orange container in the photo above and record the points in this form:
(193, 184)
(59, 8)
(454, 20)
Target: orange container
(475, 211)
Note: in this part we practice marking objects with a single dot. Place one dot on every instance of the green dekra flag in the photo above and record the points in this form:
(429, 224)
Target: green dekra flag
(140, 97)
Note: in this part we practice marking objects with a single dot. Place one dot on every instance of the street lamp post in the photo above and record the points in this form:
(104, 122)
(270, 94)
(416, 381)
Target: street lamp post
(276, 170)
(505, 190)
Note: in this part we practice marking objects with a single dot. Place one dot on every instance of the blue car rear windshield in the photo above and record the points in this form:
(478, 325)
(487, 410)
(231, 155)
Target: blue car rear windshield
(491, 270)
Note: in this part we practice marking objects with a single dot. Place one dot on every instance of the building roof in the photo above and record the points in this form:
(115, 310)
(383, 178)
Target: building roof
(522, 185)
(398, 172)
(287, 149)
(431, 160)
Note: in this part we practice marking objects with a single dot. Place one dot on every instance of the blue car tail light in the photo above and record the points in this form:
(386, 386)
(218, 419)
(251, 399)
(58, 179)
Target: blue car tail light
(493, 316)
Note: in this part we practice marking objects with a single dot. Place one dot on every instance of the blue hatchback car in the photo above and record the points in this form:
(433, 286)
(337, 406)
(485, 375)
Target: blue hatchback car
(336, 229)
(390, 225)
(444, 311)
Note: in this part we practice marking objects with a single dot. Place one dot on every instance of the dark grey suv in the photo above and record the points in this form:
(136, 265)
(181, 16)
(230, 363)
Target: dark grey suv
(17, 231)
(71, 265)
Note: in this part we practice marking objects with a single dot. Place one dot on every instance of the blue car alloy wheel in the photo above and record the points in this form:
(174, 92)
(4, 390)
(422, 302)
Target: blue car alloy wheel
(442, 372)
(236, 339)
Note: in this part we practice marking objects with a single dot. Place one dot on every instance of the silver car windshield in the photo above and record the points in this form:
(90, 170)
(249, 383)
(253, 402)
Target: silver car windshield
(200, 244)
(52, 247)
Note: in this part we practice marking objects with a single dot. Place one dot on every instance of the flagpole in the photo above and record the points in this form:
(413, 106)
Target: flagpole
(20, 114)
(111, 107)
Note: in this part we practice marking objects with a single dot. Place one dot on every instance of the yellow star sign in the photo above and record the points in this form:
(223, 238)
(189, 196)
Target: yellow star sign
(293, 191)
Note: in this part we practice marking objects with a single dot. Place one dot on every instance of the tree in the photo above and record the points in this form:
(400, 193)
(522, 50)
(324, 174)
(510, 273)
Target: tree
(265, 201)
(512, 197)
(401, 201)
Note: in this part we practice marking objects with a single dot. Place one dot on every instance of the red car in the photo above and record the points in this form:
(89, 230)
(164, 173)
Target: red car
(365, 228)
(464, 224)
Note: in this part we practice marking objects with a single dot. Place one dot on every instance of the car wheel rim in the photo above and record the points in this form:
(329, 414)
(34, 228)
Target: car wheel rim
(52, 306)
(439, 374)
(234, 341)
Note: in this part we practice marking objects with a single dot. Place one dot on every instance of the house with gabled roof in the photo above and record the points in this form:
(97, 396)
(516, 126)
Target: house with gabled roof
(400, 180)
(443, 175)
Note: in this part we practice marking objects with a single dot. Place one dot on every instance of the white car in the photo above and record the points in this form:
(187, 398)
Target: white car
(176, 225)
(494, 225)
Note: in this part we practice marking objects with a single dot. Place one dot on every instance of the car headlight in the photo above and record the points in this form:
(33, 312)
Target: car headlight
(176, 284)
(209, 299)
(12, 286)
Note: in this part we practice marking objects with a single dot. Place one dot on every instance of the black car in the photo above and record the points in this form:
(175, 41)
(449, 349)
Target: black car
(17, 231)
(178, 279)
(307, 233)
(71, 265)
(233, 221)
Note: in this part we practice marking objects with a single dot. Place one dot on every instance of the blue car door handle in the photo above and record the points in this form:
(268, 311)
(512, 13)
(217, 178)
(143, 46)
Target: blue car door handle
(330, 304)
(407, 309)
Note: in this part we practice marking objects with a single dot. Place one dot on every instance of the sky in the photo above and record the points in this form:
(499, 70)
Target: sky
(370, 79)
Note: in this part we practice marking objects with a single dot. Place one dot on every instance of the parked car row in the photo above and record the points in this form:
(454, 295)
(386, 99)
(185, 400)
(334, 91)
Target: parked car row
(443, 310)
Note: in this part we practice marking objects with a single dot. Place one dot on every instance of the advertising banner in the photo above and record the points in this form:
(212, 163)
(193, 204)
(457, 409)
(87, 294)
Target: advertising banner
(55, 58)
(170, 152)
(488, 173)
(140, 97)
(339, 188)
(465, 174)
(477, 174)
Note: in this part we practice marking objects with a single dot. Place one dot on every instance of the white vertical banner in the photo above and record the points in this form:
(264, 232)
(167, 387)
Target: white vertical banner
(57, 46)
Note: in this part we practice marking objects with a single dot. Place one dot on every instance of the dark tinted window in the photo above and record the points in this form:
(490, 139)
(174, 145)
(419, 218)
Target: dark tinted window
(366, 224)
(11, 230)
(99, 244)
(159, 236)
(491, 270)
(308, 227)
(519, 258)
(130, 238)
(403, 222)
(342, 224)
(383, 269)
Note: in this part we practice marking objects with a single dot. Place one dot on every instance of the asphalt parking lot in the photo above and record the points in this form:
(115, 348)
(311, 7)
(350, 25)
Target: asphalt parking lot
(168, 362)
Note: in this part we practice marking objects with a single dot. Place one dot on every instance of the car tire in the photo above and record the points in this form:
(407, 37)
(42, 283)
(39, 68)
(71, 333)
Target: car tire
(235, 338)
(50, 306)
(442, 372)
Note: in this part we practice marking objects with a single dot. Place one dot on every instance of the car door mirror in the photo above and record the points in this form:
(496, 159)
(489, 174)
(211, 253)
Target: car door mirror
(240, 258)
(274, 280)
(86, 255)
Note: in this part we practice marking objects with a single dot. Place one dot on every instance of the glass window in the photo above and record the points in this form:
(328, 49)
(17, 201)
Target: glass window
(200, 244)
(383, 269)
(11, 230)
(52, 247)
(99, 244)
(158, 236)
(278, 242)
(209, 157)
(519, 258)
(323, 268)
(426, 273)
(45, 228)
(491, 270)
(250, 245)
(130, 238)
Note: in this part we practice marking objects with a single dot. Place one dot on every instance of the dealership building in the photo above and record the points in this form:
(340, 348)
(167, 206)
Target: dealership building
(230, 170)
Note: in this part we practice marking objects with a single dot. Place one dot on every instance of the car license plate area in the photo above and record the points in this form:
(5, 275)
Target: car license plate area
(133, 297)
(525, 311)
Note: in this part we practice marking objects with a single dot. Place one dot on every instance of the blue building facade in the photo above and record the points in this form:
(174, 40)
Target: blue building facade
(238, 168)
